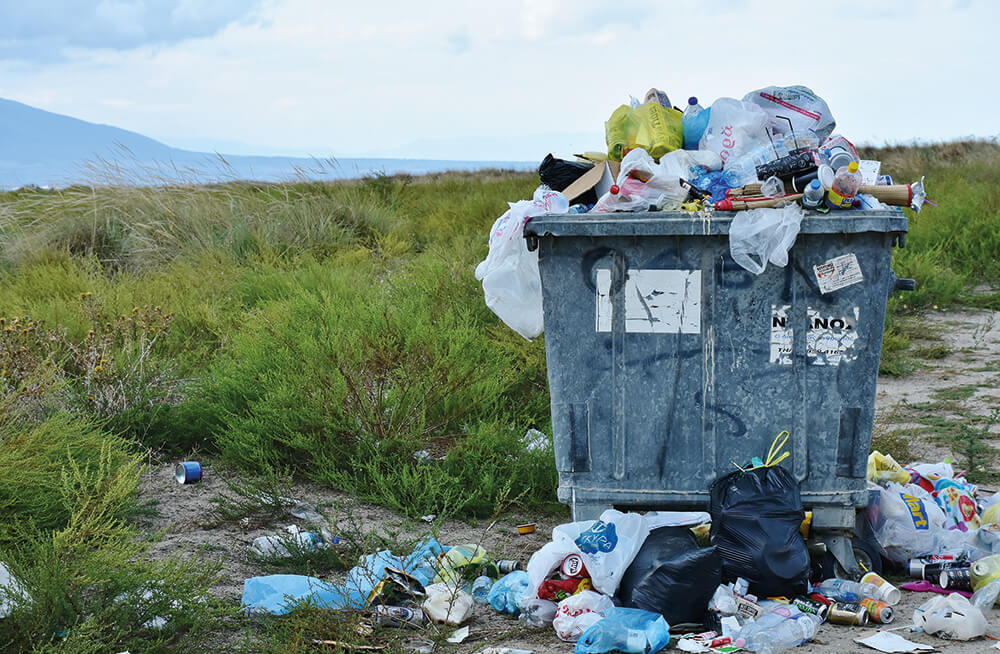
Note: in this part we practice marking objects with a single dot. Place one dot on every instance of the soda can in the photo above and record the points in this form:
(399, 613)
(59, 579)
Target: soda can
(399, 616)
(572, 566)
(848, 613)
(506, 566)
(886, 591)
(809, 605)
(956, 579)
(931, 570)
(878, 611)
(822, 599)
(187, 472)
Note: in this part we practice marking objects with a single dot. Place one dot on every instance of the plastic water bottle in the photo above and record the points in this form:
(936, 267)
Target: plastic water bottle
(845, 186)
(843, 590)
(768, 638)
(813, 195)
(694, 121)
(481, 589)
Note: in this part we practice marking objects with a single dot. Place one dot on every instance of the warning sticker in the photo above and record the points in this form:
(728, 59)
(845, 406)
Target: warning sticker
(838, 272)
(781, 335)
(830, 339)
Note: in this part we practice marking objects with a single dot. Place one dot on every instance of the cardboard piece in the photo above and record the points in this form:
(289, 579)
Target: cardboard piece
(886, 641)
(600, 178)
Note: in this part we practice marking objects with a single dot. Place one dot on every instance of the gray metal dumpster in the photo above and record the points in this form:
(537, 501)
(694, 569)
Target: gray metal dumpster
(668, 363)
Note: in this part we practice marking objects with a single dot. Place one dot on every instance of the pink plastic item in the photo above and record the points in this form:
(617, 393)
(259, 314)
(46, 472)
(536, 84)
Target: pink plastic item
(924, 586)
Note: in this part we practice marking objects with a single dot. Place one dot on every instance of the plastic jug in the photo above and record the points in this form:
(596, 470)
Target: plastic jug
(984, 571)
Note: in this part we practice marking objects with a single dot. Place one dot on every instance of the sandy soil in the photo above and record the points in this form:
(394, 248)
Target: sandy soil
(184, 512)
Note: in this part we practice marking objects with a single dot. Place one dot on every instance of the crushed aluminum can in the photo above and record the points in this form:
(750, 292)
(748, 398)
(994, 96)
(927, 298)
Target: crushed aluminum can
(399, 616)
(507, 566)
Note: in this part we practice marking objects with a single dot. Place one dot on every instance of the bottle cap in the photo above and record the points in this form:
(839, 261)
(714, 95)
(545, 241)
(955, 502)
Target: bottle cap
(614, 189)
(852, 167)
(815, 185)
(692, 100)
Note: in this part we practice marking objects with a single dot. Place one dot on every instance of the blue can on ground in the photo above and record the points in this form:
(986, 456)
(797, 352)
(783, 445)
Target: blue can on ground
(188, 472)
(668, 363)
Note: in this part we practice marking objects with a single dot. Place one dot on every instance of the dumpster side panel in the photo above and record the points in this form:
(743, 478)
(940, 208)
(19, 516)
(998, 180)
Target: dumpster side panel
(669, 364)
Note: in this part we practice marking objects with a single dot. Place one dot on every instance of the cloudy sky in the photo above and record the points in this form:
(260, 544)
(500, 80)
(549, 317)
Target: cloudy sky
(487, 80)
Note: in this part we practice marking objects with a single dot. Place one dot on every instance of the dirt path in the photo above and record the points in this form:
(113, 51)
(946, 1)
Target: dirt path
(956, 382)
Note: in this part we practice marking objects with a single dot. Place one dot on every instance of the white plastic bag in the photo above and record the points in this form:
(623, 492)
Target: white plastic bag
(509, 273)
(950, 616)
(447, 604)
(607, 546)
(793, 108)
(908, 525)
(576, 613)
(734, 128)
(643, 182)
(761, 235)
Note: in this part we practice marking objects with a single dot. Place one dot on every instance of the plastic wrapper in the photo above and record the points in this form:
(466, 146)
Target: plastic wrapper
(579, 612)
(643, 183)
(537, 612)
(958, 501)
(625, 630)
(950, 616)
(793, 109)
(761, 235)
(755, 528)
(511, 283)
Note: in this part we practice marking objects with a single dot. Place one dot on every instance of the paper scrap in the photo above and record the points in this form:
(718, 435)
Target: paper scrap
(838, 272)
(459, 635)
(886, 641)
(691, 645)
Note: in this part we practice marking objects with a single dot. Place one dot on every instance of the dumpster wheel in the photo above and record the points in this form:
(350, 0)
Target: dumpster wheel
(865, 554)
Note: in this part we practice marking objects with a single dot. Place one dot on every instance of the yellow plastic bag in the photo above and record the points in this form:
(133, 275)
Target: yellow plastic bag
(620, 131)
(882, 469)
(652, 127)
(660, 129)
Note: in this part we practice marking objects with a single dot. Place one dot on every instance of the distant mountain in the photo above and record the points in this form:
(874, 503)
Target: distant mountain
(48, 149)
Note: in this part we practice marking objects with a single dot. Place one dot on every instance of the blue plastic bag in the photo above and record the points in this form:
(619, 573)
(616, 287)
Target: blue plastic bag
(275, 593)
(506, 594)
(625, 630)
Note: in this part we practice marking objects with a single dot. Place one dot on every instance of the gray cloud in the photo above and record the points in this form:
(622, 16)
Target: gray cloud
(43, 30)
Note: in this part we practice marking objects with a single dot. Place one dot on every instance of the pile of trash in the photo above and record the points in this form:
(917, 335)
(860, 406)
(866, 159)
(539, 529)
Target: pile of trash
(771, 158)
(737, 577)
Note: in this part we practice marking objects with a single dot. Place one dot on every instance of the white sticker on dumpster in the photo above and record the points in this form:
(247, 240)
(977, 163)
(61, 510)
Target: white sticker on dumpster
(656, 301)
(830, 339)
(781, 335)
(838, 272)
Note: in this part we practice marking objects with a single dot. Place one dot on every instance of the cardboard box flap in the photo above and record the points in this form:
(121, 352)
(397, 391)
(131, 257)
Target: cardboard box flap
(600, 178)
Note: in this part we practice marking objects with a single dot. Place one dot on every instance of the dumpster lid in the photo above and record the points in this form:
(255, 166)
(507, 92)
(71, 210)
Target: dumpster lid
(715, 223)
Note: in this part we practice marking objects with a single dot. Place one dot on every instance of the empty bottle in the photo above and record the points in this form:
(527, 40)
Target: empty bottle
(481, 589)
(842, 590)
(845, 186)
(768, 638)
(813, 195)
(694, 121)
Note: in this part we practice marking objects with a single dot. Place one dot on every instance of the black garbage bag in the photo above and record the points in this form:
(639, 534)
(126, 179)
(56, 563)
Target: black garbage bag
(557, 174)
(672, 576)
(755, 528)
